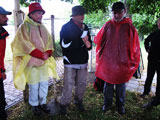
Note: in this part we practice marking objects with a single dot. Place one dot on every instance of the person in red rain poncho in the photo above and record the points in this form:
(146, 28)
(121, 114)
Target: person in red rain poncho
(117, 56)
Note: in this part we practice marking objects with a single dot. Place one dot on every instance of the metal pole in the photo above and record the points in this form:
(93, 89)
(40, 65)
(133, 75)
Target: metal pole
(91, 56)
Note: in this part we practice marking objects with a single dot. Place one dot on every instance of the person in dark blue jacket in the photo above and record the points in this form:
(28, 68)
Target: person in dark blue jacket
(152, 46)
(153, 66)
(75, 42)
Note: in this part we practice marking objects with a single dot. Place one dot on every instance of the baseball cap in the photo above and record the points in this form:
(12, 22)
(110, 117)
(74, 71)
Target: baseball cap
(4, 12)
(118, 6)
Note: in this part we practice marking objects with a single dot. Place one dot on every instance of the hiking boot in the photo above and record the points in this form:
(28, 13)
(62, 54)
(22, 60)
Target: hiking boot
(79, 104)
(63, 109)
(105, 108)
(121, 110)
(45, 108)
(148, 106)
(80, 107)
(36, 110)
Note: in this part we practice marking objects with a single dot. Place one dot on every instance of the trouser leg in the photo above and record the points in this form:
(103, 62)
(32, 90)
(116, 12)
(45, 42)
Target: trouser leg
(108, 93)
(150, 75)
(69, 81)
(80, 84)
(120, 94)
(43, 92)
(3, 114)
(33, 94)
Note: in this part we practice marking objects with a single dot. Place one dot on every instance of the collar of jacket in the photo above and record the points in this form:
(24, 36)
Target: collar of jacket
(125, 20)
(30, 21)
(83, 25)
(3, 33)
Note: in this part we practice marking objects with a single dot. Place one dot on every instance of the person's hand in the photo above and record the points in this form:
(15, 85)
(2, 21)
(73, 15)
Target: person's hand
(3, 75)
(86, 42)
(45, 55)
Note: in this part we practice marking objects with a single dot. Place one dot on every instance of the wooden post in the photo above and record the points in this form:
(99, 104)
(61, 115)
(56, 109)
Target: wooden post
(52, 34)
(18, 18)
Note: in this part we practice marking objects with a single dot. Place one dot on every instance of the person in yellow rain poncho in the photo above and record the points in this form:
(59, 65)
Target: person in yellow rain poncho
(33, 64)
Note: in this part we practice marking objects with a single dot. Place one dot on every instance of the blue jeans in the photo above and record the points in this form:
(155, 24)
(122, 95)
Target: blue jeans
(38, 93)
(109, 91)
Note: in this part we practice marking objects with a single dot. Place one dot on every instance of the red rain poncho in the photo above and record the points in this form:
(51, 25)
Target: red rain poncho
(117, 52)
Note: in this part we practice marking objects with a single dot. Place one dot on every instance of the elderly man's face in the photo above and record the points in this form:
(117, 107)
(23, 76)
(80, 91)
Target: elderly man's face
(3, 20)
(118, 15)
(78, 18)
(37, 16)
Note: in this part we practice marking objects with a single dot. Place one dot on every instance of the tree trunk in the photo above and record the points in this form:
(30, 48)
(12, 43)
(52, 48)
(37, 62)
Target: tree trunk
(127, 8)
(18, 15)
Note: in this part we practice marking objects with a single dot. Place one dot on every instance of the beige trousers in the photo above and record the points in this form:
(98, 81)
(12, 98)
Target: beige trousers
(73, 77)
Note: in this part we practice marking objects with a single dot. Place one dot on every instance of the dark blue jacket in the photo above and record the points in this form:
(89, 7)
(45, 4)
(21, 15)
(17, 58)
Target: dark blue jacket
(73, 47)
(152, 45)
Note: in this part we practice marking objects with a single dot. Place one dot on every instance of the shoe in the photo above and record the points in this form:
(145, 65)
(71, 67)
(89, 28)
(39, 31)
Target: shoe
(143, 95)
(45, 108)
(148, 106)
(80, 107)
(63, 109)
(36, 110)
(121, 110)
(79, 104)
(105, 108)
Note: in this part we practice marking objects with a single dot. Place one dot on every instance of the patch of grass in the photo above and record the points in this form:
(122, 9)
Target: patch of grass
(93, 102)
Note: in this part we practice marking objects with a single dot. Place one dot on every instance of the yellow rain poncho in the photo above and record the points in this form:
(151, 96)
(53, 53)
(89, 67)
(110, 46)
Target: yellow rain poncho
(27, 69)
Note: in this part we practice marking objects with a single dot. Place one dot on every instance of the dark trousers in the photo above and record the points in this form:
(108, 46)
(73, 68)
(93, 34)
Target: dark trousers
(3, 114)
(153, 67)
(120, 94)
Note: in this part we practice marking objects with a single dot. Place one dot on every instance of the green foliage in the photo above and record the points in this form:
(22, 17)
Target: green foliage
(96, 5)
(71, 1)
(96, 19)
(145, 14)
(149, 7)
(145, 24)
(27, 2)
